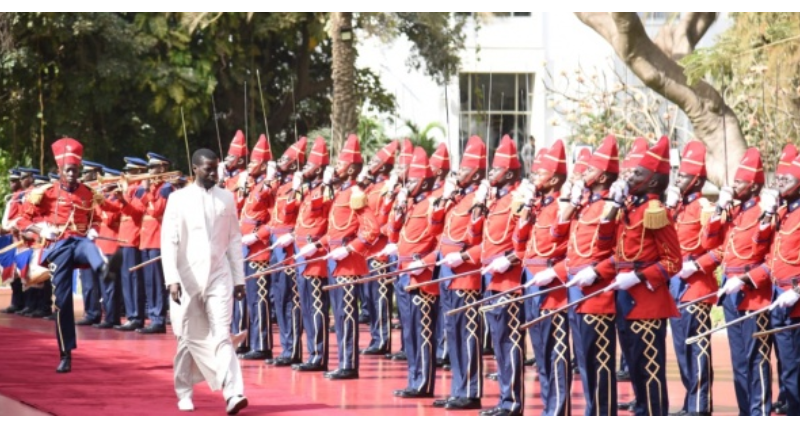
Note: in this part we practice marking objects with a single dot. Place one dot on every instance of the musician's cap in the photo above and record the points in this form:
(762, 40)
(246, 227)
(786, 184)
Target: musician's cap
(92, 166)
(13, 174)
(111, 172)
(134, 163)
(67, 151)
(386, 154)
(656, 159)
(154, 159)
(30, 170)
(406, 153)
(40, 180)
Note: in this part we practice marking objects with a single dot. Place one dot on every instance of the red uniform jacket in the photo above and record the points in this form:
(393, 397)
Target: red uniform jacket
(538, 249)
(454, 238)
(646, 243)
(350, 224)
(312, 222)
(416, 236)
(375, 199)
(72, 212)
(497, 228)
(130, 219)
(690, 216)
(783, 259)
(591, 241)
(110, 214)
(151, 203)
(743, 244)
(234, 185)
(254, 217)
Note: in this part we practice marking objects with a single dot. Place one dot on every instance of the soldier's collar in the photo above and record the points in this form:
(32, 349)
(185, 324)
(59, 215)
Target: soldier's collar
(346, 184)
(315, 183)
(691, 197)
(469, 189)
(421, 197)
(547, 200)
(794, 205)
(380, 178)
(286, 179)
(437, 184)
(507, 189)
(597, 196)
(260, 178)
(749, 203)
(65, 187)
(638, 201)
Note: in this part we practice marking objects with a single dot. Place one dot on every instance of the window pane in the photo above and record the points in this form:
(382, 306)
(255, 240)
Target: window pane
(502, 14)
(480, 86)
(463, 90)
(523, 90)
(521, 14)
(503, 89)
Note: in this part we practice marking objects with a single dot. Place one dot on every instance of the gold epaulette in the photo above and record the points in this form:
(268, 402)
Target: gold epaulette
(36, 194)
(707, 210)
(97, 197)
(358, 200)
(655, 217)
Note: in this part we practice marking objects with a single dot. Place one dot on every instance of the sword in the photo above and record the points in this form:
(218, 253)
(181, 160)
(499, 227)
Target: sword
(698, 300)
(291, 266)
(144, 264)
(446, 278)
(696, 338)
(105, 238)
(269, 249)
(482, 301)
(390, 264)
(374, 278)
(526, 325)
(525, 297)
(776, 330)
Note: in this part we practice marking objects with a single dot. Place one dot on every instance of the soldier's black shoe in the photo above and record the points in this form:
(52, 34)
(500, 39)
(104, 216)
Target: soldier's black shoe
(38, 314)
(400, 356)
(781, 408)
(86, 322)
(490, 411)
(23, 311)
(242, 349)
(629, 406)
(103, 325)
(505, 412)
(374, 351)
(396, 326)
(129, 326)
(441, 403)
(529, 362)
(441, 362)
(492, 376)
(342, 374)
(9, 310)
(623, 376)
(413, 393)
(363, 319)
(309, 367)
(152, 329)
(65, 366)
(487, 351)
(285, 362)
(51, 316)
(679, 413)
(464, 404)
(256, 355)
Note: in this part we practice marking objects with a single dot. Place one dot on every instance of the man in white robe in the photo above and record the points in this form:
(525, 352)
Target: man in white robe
(201, 252)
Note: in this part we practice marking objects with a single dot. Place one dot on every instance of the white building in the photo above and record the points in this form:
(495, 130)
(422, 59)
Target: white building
(503, 60)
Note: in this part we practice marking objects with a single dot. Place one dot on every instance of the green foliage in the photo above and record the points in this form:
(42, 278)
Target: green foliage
(422, 137)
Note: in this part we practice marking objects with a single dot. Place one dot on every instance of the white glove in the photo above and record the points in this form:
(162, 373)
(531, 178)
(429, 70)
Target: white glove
(449, 188)
(481, 192)
(619, 192)
(418, 266)
(272, 171)
(221, 171)
(544, 277)
(453, 260)
(249, 239)
(787, 299)
(339, 253)
(48, 233)
(673, 196)
(769, 201)
(388, 250)
(362, 175)
(92, 234)
(528, 191)
(689, 268)
(585, 277)
(297, 180)
(725, 197)
(327, 176)
(402, 197)
(498, 265)
(576, 194)
(392, 182)
(307, 250)
(732, 286)
(625, 281)
(566, 190)
(284, 240)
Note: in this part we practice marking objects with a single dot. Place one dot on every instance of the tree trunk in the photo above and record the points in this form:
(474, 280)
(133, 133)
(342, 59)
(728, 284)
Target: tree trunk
(714, 122)
(345, 113)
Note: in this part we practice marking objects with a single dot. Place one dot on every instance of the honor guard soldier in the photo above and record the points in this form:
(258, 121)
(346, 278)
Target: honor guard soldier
(130, 226)
(378, 295)
(90, 283)
(10, 215)
(234, 175)
(496, 219)
(352, 229)
(109, 213)
(416, 235)
(253, 220)
(312, 223)
(743, 243)
(440, 166)
(696, 280)
(66, 210)
(540, 252)
(282, 220)
(464, 330)
(590, 241)
(647, 256)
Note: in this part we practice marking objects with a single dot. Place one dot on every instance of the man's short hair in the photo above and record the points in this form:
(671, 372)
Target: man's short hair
(203, 153)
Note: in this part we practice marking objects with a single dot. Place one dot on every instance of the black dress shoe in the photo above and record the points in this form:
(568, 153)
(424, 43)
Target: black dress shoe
(363, 319)
(51, 316)
(309, 367)
(504, 412)
(242, 349)
(9, 310)
(23, 311)
(623, 376)
(441, 403)
(492, 376)
(441, 362)
(343, 374)
(628, 406)
(65, 366)
(152, 329)
(129, 326)
(256, 355)
(285, 362)
(374, 351)
(103, 325)
(396, 326)
(398, 392)
(413, 393)
(446, 367)
(86, 322)
(327, 375)
(464, 404)
(487, 351)
(679, 413)
(490, 411)
(529, 362)
(401, 356)
(38, 314)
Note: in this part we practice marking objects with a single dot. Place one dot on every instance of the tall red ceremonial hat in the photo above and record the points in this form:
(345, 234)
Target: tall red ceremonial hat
(750, 168)
(794, 167)
(319, 153)
(238, 146)
(656, 159)
(262, 151)
(506, 154)
(419, 165)
(583, 161)
(441, 157)
(537, 160)
(67, 151)
(474, 154)
(785, 162)
(297, 151)
(639, 147)
(554, 159)
(351, 152)
(606, 158)
(693, 159)
(386, 154)
(406, 153)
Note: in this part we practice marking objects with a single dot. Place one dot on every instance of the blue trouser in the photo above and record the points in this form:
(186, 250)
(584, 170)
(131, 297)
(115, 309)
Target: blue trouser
(363, 299)
(550, 341)
(155, 290)
(750, 359)
(256, 305)
(90, 288)
(17, 298)
(110, 292)
(345, 318)
(132, 285)
(421, 344)
(378, 300)
(403, 310)
(464, 332)
(287, 305)
(694, 361)
(787, 344)
(440, 336)
(315, 304)
(508, 342)
(63, 257)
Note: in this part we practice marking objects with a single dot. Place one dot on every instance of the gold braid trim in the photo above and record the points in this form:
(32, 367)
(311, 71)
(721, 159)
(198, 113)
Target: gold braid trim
(655, 217)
